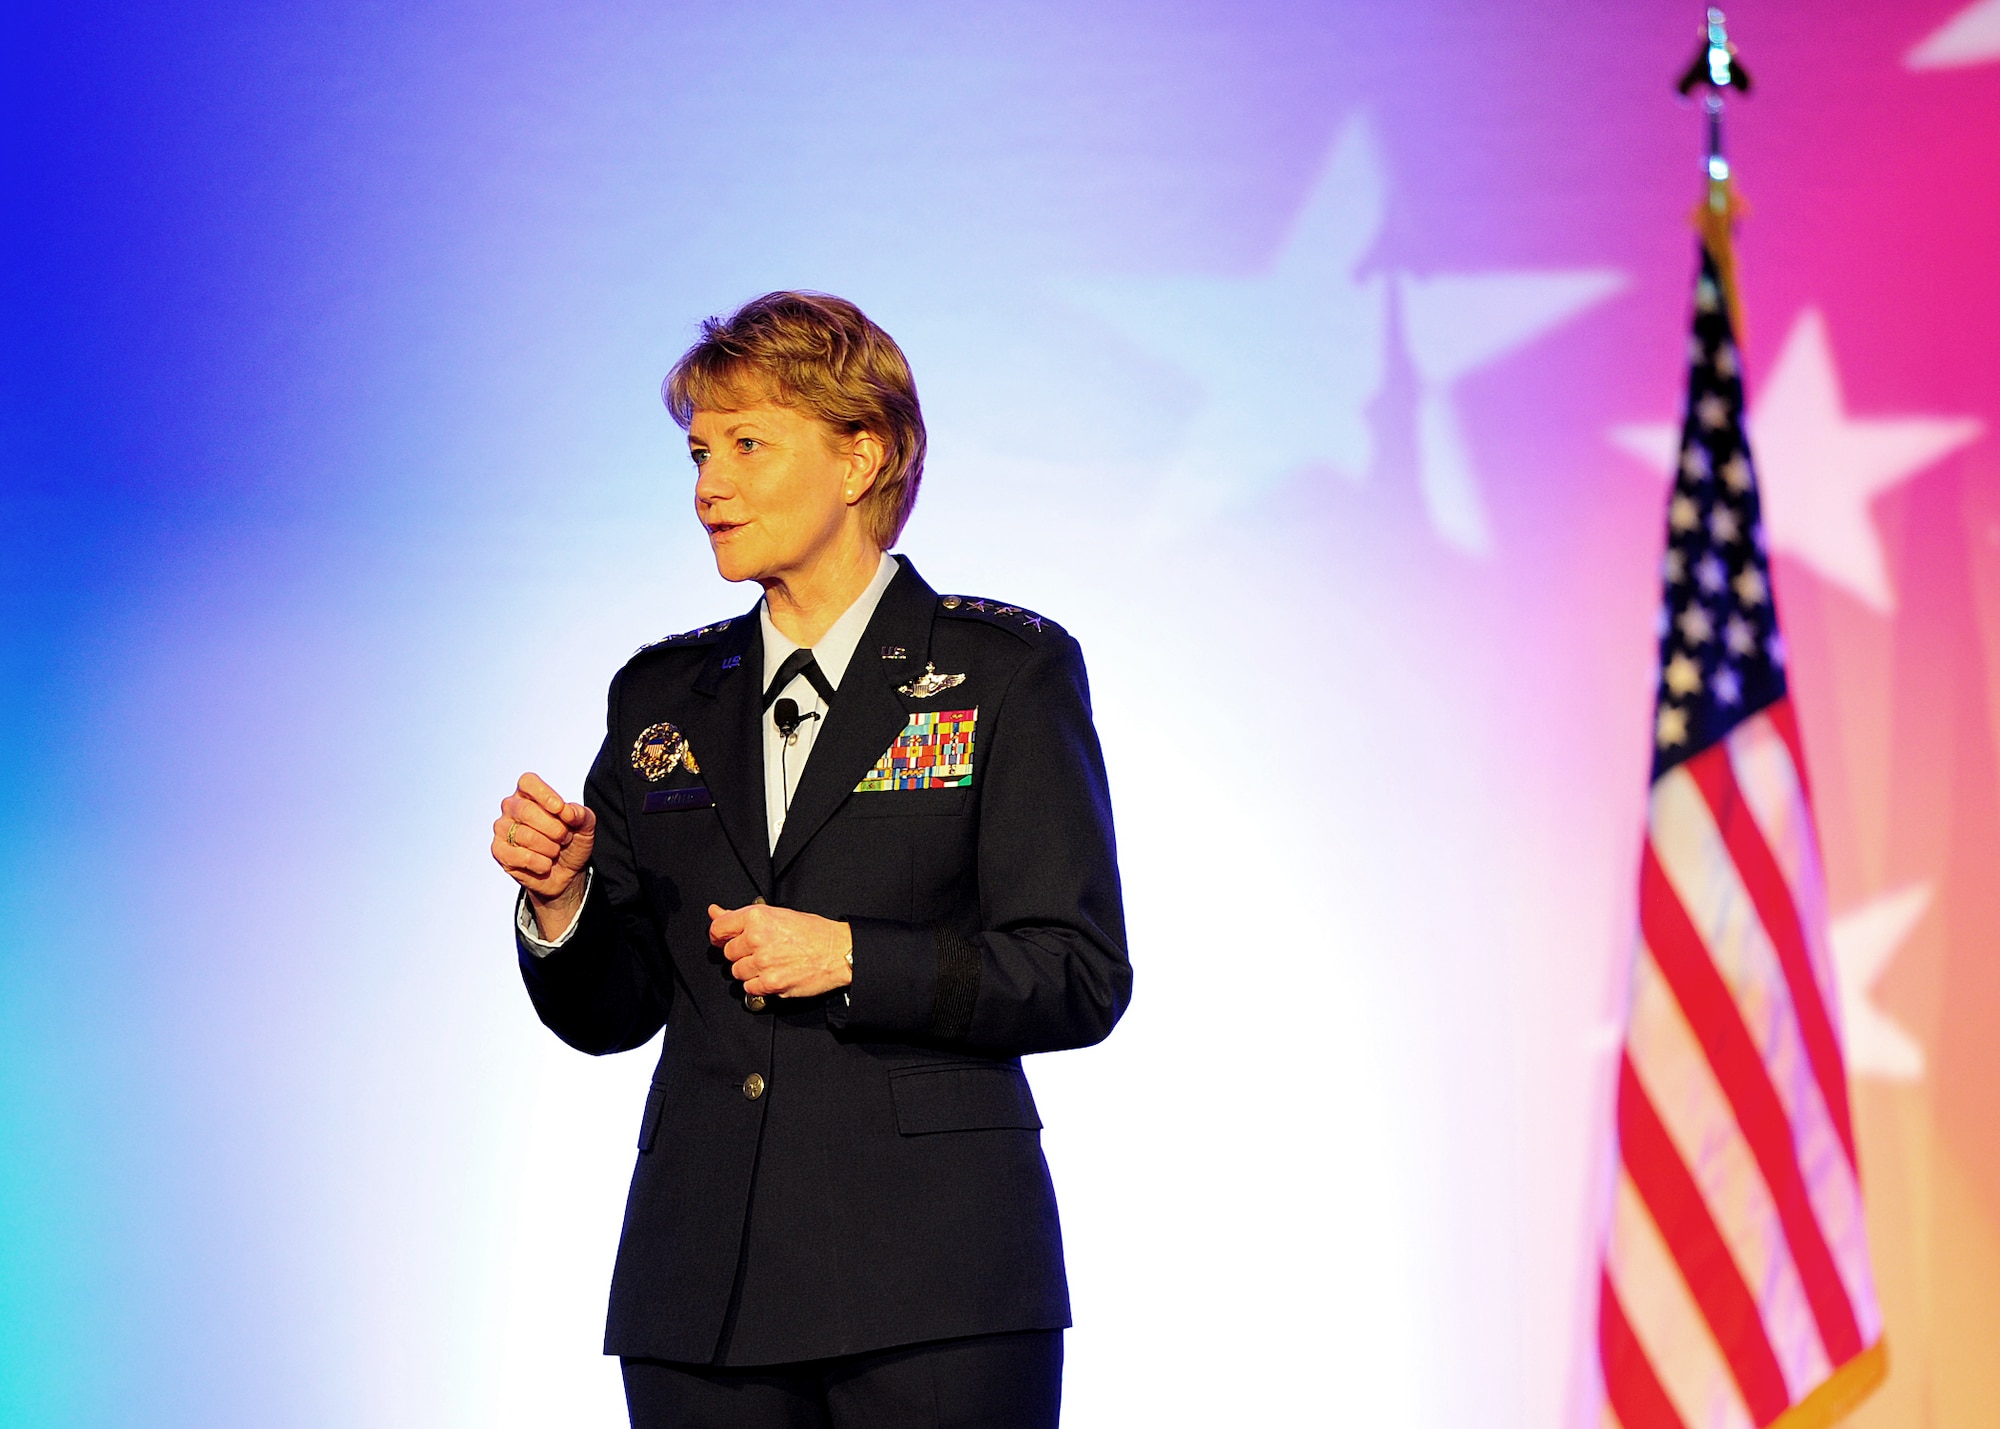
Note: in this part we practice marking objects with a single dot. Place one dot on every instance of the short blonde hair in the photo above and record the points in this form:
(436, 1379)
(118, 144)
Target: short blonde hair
(822, 355)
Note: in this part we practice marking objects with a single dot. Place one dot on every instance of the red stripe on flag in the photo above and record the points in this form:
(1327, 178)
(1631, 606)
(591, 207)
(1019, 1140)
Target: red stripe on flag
(1636, 1394)
(1786, 720)
(1696, 1243)
(1758, 868)
(1711, 1014)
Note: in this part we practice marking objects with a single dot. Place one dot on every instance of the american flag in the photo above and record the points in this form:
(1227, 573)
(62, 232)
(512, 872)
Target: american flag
(1735, 1287)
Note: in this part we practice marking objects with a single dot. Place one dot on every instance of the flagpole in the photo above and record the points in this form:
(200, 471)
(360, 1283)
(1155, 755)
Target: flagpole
(1714, 73)
(1735, 1285)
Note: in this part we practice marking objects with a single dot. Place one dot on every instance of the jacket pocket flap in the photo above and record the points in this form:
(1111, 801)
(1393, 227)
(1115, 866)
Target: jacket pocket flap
(963, 1099)
(902, 803)
(656, 1102)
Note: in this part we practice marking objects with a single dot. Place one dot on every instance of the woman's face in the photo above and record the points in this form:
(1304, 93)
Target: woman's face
(776, 488)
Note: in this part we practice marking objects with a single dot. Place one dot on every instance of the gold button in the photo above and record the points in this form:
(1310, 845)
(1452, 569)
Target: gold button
(951, 602)
(753, 1086)
(755, 1002)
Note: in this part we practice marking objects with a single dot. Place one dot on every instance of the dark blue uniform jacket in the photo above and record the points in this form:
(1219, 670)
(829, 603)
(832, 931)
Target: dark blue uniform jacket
(886, 1186)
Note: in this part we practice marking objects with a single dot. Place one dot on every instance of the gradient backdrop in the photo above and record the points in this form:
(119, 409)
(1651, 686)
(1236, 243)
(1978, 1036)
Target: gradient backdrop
(1306, 360)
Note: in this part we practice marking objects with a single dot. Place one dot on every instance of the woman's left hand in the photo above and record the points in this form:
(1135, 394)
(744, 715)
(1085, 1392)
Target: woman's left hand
(781, 951)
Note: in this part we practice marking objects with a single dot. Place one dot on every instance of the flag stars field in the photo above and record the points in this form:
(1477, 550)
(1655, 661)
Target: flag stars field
(1715, 537)
(1821, 468)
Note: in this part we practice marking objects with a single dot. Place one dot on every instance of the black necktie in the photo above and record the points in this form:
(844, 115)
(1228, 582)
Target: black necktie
(800, 662)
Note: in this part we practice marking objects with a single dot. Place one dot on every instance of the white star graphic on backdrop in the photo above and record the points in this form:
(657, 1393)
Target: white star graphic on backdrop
(1864, 942)
(1455, 324)
(1291, 359)
(1821, 469)
(1970, 37)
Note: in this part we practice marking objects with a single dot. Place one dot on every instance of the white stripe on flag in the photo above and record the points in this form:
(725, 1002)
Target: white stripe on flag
(1704, 877)
(1665, 1320)
(1776, 798)
(1671, 1066)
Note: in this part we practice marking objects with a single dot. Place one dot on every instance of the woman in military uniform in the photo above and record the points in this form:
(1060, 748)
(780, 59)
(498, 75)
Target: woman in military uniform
(853, 851)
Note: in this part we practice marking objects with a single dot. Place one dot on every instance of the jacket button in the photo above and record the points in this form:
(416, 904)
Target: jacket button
(755, 1002)
(753, 1086)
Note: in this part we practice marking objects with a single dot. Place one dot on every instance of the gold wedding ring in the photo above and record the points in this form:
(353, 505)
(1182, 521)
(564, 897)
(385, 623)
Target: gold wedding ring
(512, 829)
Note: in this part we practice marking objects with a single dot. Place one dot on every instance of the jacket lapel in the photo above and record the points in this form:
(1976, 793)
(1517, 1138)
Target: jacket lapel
(726, 734)
(867, 713)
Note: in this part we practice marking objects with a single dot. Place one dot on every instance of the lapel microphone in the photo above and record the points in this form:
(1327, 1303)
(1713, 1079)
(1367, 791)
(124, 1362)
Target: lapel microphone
(788, 719)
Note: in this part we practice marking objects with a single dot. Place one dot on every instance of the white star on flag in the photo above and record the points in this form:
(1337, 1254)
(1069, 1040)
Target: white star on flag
(1820, 468)
(1970, 37)
(1291, 359)
(1864, 943)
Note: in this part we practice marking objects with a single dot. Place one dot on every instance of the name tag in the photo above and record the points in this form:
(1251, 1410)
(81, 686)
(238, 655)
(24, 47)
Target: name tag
(669, 801)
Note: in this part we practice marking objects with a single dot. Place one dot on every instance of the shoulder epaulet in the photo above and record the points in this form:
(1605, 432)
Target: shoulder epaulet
(706, 635)
(1024, 623)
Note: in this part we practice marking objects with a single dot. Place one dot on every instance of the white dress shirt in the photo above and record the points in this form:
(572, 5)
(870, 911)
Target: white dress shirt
(784, 760)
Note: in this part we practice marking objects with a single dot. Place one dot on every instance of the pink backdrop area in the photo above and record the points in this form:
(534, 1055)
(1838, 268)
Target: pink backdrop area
(1309, 362)
(1876, 328)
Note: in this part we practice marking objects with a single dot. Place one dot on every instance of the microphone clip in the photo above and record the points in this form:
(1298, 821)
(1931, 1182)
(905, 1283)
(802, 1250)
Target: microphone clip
(785, 714)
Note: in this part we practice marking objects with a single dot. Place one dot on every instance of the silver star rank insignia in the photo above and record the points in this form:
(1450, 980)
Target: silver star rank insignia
(929, 683)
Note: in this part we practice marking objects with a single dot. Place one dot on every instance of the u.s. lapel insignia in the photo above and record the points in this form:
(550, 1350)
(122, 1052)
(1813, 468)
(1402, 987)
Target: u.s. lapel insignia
(929, 683)
(660, 750)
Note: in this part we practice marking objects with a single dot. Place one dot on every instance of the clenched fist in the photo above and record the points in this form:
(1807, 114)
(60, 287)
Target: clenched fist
(544, 844)
(781, 950)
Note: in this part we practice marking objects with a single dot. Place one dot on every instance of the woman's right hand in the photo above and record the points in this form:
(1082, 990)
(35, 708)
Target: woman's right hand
(543, 843)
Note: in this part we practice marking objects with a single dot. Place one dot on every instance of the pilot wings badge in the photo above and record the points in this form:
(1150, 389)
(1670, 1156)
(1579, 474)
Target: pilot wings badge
(929, 683)
(661, 749)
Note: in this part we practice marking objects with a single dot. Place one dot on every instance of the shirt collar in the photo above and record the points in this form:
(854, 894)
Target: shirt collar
(835, 648)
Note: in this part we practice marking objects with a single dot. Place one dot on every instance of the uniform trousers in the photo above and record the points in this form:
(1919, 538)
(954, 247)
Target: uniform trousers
(1009, 1381)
